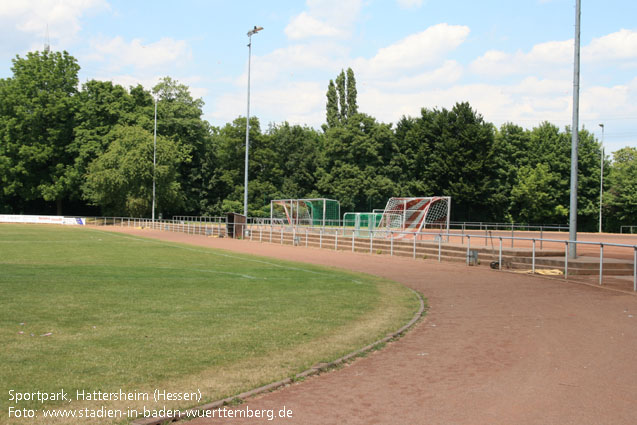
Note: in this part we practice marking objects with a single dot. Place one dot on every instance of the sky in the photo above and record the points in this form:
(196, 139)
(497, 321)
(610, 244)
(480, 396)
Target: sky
(511, 60)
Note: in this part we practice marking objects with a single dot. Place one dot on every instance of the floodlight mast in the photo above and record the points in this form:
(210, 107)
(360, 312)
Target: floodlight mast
(154, 157)
(601, 180)
(572, 228)
(245, 179)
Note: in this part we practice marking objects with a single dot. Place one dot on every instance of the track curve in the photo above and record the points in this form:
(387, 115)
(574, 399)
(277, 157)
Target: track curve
(497, 348)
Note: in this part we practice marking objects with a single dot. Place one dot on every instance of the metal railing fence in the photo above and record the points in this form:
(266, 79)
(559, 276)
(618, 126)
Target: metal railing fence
(629, 229)
(393, 242)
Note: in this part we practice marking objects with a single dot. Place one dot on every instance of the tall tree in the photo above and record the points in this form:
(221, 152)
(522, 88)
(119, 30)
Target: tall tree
(298, 153)
(332, 106)
(39, 103)
(532, 197)
(620, 198)
(357, 154)
(341, 99)
(461, 159)
(229, 142)
(352, 106)
(120, 180)
(510, 153)
(179, 117)
(342, 96)
(102, 106)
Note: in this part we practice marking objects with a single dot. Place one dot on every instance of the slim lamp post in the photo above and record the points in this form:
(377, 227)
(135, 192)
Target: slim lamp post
(601, 181)
(245, 179)
(154, 158)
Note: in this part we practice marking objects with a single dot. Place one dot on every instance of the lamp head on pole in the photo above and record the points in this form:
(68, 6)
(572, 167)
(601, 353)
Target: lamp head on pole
(254, 31)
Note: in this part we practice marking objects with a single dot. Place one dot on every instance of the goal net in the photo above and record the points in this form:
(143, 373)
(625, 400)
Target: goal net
(360, 223)
(416, 214)
(305, 212)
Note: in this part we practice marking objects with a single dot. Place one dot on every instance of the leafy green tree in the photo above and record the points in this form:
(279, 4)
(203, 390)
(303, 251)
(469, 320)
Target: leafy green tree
(620, 199)
(589, 153)
(511, 152)
(341, 99)
(298, 157)
(332, 106)
(342, 96)
(179, 117)
(532, 197)
(120, 180)
(357, 155)
(352, 93)
(229, 145)
(39, 103)
(461, 160)
(102, 105)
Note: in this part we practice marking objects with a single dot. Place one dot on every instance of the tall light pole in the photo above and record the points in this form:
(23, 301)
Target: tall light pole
(245, 179)
(154, 157)
(572, 232)
(601, 181)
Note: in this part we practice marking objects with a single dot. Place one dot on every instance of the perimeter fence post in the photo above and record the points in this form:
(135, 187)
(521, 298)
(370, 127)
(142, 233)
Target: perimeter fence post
(500, 255)
(601, 261)
(371, 242)
(415, 245)
(635, 269)
(281, 235)
(439, 246)
(533, 266)
(391, 243)
(306, 231)
(468, 248)
(270, 233)
(336, 241)
(320, 238)
(352, 241)
(541, 237)
(512, 234)
(566, 260)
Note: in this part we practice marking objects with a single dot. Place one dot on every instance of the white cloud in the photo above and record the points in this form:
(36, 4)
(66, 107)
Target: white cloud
(31, 18)
(409, 4)
(496, 63)
(298, 102)
(324, 18)
(149, 81)
(128, 81)
(449, 73)
(294, 63)
(304, 25)
(119, 53)
(549, 57)
(620, 45)
(425, 48)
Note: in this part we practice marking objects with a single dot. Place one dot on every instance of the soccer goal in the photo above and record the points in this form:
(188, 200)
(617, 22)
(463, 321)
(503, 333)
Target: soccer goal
(360, 223)
(305, 212)
(416, 214)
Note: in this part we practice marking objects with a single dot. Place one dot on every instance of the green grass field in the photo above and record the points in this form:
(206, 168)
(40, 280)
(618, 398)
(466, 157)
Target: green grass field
(136, 314)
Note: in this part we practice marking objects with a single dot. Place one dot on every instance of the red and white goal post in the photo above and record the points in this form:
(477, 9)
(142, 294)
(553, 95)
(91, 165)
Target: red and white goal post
(416, 214)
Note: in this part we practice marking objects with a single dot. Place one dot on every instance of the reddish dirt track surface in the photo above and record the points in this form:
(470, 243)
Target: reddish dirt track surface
(495, 348)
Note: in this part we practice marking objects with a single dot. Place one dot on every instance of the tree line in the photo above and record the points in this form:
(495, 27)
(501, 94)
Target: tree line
(88, 150)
